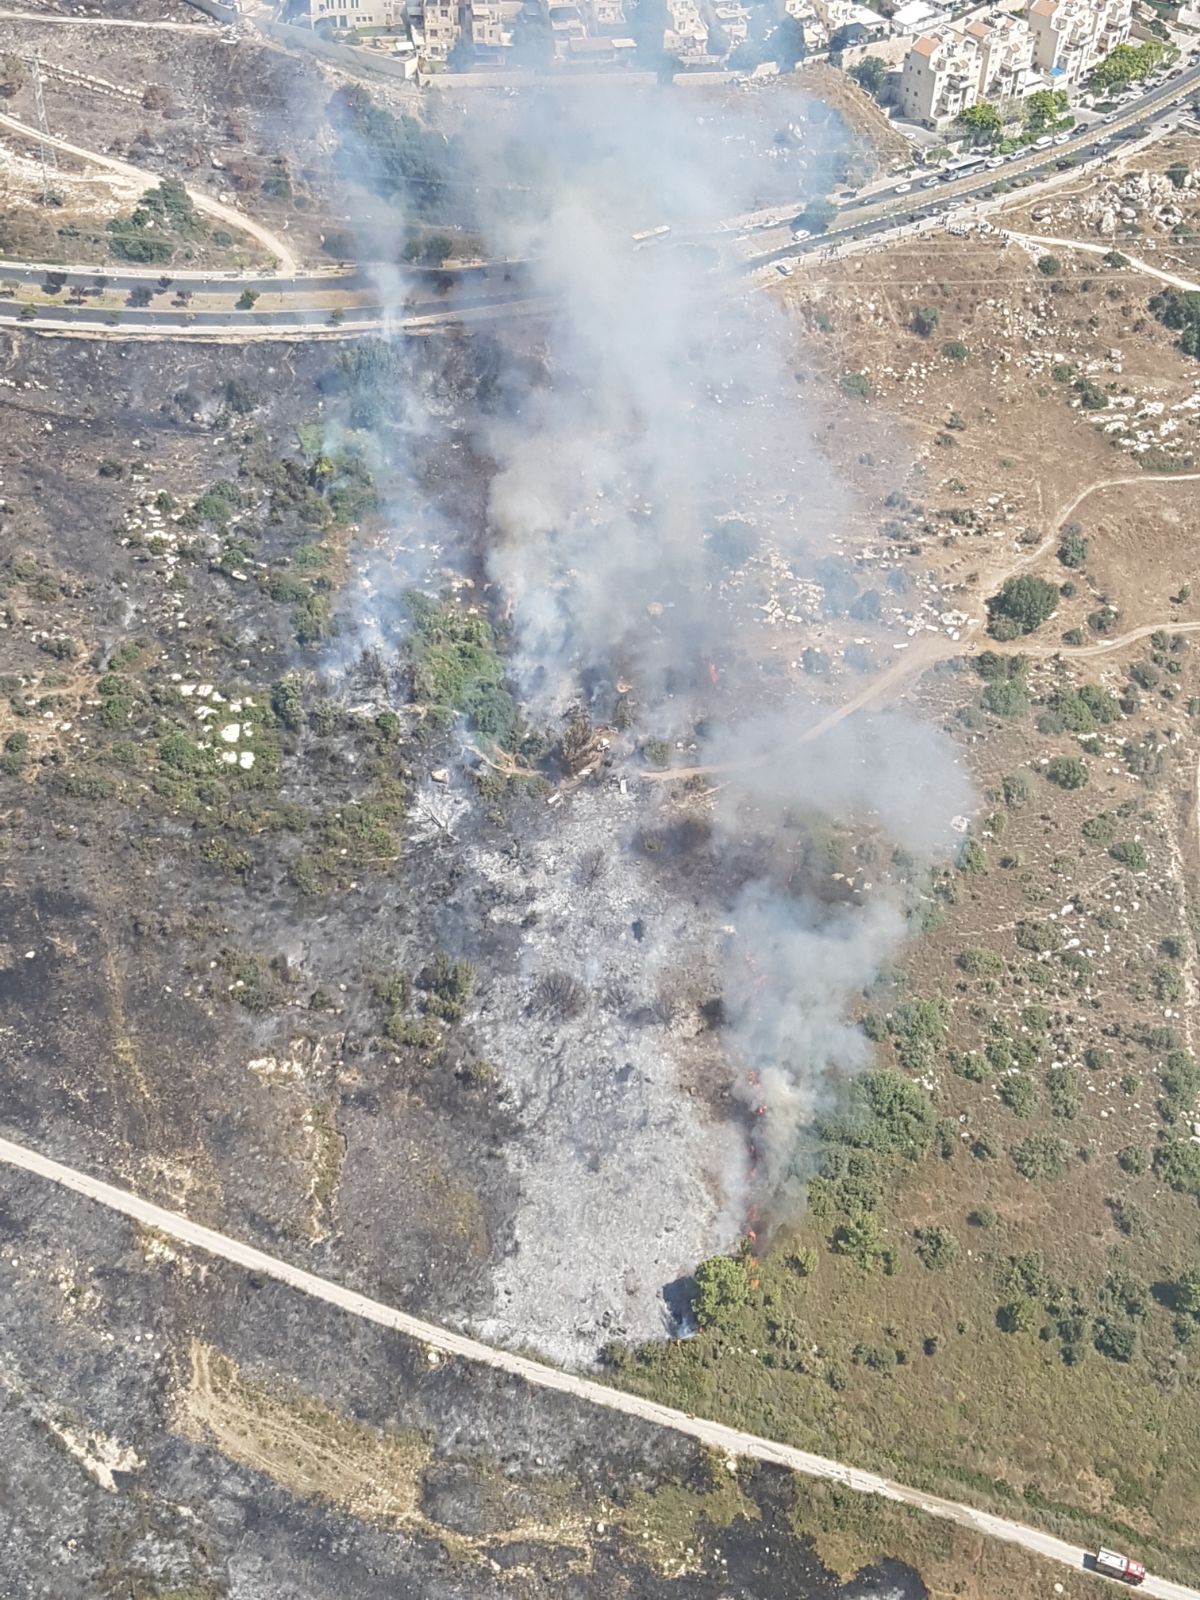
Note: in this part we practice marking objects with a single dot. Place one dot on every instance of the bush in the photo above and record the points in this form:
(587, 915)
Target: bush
(1041, 1155)
(983, 1217)
(1049, 266)
(857, 384)
(1129, 853)
(1068, 772)
(887, 1114)
(925, 320)
(722, 1288)
(1178, 1164)
(1116, 1340)
(955, 350)
(1019, 1315)
(1006, 697)
(936, 1248)
(978, 962)
(861, 1239)
(1019, 1094)
(1024, 602)
(1073, 549)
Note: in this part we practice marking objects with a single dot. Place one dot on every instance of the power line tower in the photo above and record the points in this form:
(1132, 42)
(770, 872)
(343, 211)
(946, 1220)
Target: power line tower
(45, 148)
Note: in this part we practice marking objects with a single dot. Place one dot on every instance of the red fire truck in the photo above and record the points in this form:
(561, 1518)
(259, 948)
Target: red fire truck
(1113, 1565)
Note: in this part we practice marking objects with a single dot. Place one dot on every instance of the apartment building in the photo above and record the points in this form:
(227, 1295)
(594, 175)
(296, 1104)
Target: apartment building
(1005, 57)
(1071, 36)
(358, 13)
(687, 31)
(940, 79)
(1005, 50)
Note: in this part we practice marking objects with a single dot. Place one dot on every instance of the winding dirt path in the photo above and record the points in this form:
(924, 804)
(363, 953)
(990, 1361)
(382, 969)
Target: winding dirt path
(933, 648)
(288, 266)
(715, 1434)
(1135, 262)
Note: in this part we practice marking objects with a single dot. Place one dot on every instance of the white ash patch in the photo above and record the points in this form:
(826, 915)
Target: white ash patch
(620, 1168)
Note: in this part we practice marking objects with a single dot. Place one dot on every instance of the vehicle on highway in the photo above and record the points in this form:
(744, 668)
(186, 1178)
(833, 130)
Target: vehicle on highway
(1044, 142)
(930, 183)
(1062, 138)
(996, 161)
(1114, 1565)
(800, 234)
(1111, 117)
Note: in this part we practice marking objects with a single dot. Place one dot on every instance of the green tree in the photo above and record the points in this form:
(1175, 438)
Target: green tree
(983, 123)
(247, 299)
(1049, 266)
(817, 215)
(1186, 1291)
(1045, 107)
(722, 1288)
(1126, 63)
(1023, 604)
(1018, 1315)
(871, 74)
(788, 45)
(1068, 772)
(1178, 173)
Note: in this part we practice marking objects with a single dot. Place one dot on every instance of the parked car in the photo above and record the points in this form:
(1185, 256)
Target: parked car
(784, 268)
(1062, 138)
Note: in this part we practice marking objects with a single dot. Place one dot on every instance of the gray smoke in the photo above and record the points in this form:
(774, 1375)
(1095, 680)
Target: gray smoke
(662, 409)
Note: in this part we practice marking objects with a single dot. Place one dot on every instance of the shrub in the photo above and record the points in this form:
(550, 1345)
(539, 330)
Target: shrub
(857, 384)
(1116, 1340)
(925, 320)
(1041, 1155)
(1019, 1094)
(983, 1217)
(861, 1239)
(1073, 549)
(1006, 697)
(955, 350)
(722, 1288)
(1049, 266)
(978, 962)
(1018, 1315)
(936, 1248)
(1129, 853)
(1100, 829)
(1024, 602)
(1015, 789)
(1178, 1164)
(1068, 772)
(247, 299)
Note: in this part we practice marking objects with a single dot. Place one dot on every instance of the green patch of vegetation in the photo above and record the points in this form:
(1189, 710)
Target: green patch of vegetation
(457, 668)
(1179, 310)
(1021, 606)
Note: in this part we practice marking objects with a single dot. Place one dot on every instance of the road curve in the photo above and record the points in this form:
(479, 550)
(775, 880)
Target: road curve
(714, 1434)
(203, 202)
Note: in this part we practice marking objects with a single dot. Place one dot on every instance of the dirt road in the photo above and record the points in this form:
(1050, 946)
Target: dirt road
(214, 208)
(938, 647)
(714, 1434)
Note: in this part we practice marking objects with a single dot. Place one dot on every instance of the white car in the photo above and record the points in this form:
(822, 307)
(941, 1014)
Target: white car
(996, 161)
(1044, 142)
(784, 268)
(799, 235)
(930, 183)
(1111, 117)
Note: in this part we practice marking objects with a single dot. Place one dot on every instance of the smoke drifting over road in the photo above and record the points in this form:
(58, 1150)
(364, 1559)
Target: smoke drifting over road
(651, 434)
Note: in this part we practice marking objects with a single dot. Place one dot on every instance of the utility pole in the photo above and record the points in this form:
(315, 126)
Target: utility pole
(46, 149)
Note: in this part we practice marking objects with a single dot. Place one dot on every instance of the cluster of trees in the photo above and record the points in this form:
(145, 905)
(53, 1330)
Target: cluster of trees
(163, 216)
(1126, 63)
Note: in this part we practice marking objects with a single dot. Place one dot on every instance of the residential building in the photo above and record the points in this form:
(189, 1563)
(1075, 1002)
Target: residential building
(687, 31)
(441, 27)
(358, 13)
(1071, 36)
(939, 79)
(1005, 52)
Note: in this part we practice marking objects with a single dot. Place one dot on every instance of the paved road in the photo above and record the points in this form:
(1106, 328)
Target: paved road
(102, 22)
(1136, 263)
(878, 213)
(458, 1345)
